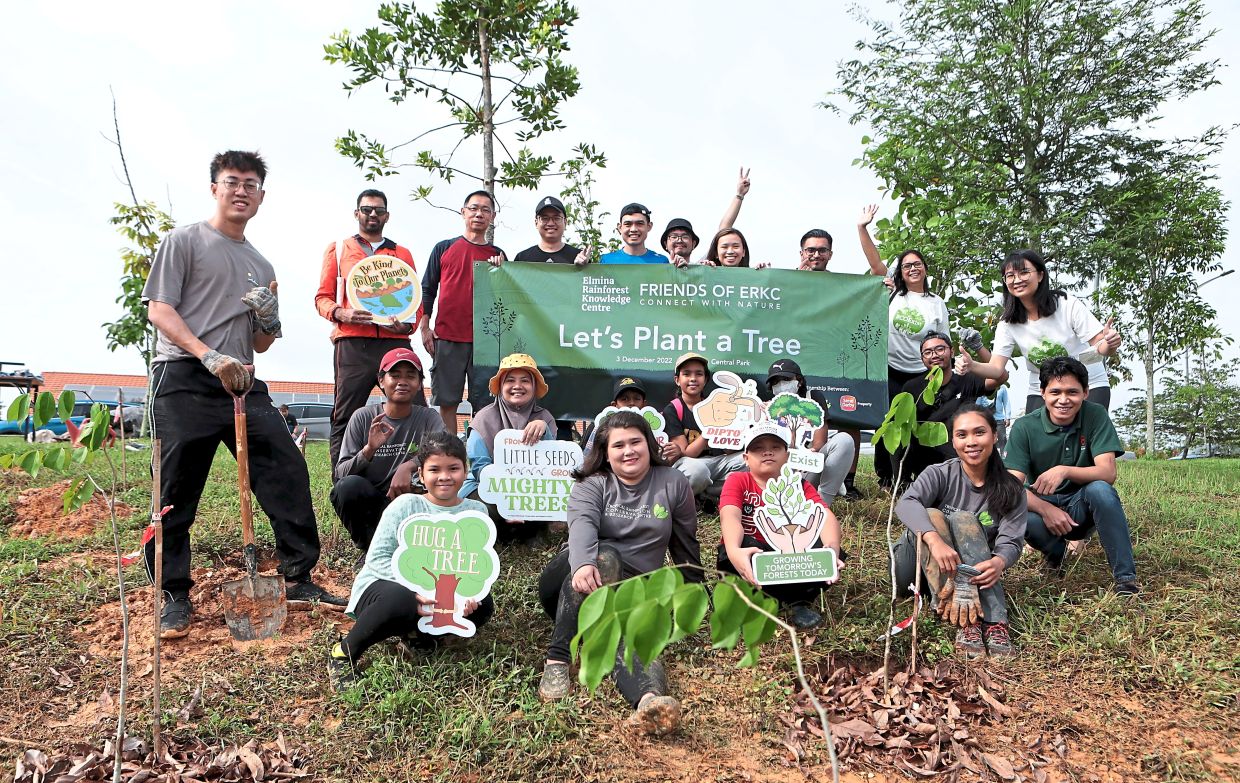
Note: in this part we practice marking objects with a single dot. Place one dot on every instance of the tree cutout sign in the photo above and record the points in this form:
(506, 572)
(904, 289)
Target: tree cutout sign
(530, 483)
(792, 523)
(386, 287)
(803, 417)
(451, 559)
(728, 411)
(652, 417)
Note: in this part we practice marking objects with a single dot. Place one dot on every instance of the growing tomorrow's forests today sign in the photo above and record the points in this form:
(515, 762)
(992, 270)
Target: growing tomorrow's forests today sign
(589, 327)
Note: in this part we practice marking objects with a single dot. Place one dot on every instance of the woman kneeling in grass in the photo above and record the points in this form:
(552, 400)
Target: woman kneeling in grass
(766, 452)
(381, 607)
(626, 510)
(970, 515)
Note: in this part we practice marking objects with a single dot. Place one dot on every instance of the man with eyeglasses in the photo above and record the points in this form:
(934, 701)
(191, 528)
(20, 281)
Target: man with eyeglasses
(634, 227)
(678, 238)
(212, 298)
(550, 220)
(936, 351)
(449, 279)
(359, 342)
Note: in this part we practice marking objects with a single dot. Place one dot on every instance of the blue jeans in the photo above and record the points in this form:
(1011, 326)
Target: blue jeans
(1095, 505)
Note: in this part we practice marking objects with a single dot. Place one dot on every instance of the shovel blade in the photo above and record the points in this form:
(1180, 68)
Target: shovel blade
(254, 607)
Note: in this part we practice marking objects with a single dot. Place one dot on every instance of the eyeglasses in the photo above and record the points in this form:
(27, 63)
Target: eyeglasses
(478, 209)
(678, 235)
(1018, 274)
(380, 211)
(914, 265)
(936, 351)
(821, 251)
(251, 186)
(550, 218)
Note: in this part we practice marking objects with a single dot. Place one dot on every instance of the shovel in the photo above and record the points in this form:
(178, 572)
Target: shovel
(254, 607)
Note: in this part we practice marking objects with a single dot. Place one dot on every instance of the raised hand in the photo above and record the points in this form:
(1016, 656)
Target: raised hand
(742, 182)
(266, 307)
(1110, 338)
(867, 215)
(583, 257)
(964, 362)
(380, 432)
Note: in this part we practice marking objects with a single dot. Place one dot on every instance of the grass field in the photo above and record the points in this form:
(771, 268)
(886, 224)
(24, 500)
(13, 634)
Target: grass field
(1136, 690)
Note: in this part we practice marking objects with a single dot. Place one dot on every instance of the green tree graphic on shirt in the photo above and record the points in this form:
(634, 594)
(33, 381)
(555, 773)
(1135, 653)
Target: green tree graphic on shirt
(659, 511)
(909, 320)
(1045, 349)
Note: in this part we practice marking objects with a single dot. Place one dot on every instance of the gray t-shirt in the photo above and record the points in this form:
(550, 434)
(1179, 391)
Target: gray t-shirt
(945, 486)
(203, 274)
(642, 522)
(390, 455)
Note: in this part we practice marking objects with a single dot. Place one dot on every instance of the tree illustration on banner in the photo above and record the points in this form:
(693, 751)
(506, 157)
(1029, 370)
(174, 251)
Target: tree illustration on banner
(798, 414)
(842, 359)
(451, 559)
(866, 338)
(497, 322)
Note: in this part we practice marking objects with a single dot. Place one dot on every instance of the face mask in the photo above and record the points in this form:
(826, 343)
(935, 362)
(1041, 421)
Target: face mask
(788, 387)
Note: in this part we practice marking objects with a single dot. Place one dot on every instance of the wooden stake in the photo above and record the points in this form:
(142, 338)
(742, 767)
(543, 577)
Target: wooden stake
(158, 520)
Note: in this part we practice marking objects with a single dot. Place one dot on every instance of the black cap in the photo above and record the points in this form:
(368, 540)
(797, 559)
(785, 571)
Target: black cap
(674, 224)
(634, 209)
(626, 383)
(549, 202)
(783, 368)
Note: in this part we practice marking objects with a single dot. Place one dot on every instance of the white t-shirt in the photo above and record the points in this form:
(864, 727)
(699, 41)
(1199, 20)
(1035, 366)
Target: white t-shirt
(910, 316)
(1066, 333)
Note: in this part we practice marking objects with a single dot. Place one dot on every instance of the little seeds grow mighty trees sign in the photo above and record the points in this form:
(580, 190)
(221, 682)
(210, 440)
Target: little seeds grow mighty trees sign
(530, 483)
(451, 559)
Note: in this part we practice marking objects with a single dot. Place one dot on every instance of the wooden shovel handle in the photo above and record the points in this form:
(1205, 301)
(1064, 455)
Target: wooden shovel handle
(243, 470)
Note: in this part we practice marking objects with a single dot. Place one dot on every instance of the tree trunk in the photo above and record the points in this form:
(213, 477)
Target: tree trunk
(1149, 393)
(488, 119)
(445, 601)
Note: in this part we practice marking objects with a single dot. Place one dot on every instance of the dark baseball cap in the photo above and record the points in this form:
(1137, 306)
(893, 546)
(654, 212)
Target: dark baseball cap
(549, 202)
(398, 355)
(626, 383)
(674, 224)
(635, 209)
(783, 368)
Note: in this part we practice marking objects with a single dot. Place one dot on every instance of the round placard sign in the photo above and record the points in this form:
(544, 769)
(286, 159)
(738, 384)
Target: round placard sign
(386, 287)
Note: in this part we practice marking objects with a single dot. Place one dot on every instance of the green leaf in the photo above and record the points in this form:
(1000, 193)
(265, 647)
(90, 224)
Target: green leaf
(629, 594)
(931, 433)
(18, 408)
(891, 439)
(56, 459)
(95, 431)
(80, 456)
(598, 652)
(67, 499)
(661, 585)
(30, 462)
(64, 406)
(6, 461)
(648, 630)
(85, 491)
(688, 608)
(44, 409)
(593, 607)
(730, 611)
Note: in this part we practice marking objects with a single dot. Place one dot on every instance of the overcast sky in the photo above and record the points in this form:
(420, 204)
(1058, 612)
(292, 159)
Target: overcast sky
(678, 96)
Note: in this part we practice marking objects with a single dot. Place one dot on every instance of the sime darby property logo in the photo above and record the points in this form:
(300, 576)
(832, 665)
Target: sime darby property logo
(848, 402)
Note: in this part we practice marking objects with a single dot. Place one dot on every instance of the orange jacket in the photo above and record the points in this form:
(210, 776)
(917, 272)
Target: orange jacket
(325, 298)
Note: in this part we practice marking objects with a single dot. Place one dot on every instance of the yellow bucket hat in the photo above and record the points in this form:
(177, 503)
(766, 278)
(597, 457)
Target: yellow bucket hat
(519, 361)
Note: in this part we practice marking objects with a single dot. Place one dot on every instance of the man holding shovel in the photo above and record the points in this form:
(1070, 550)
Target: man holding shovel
(212, 297)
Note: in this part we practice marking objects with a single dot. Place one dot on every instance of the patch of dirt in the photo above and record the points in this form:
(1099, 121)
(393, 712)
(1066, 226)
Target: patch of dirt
(208, 638)
(40, 513)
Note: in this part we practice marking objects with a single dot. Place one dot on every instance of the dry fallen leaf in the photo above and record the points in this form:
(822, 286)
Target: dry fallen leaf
(1000, 766)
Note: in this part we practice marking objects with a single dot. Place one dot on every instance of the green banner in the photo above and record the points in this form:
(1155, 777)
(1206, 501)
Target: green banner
(588, 327)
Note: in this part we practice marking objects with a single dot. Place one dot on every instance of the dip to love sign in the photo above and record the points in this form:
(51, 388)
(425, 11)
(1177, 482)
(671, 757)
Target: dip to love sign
(530, 483)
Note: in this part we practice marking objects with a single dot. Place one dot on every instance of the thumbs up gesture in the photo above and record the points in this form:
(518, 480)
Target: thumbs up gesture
(1109, 339)
(964, 362)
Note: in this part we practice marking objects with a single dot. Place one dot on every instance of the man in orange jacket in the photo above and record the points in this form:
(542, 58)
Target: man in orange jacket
(359, 341)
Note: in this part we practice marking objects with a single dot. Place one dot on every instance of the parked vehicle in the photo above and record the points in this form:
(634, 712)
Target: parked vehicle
(133, 413)
(314, 417)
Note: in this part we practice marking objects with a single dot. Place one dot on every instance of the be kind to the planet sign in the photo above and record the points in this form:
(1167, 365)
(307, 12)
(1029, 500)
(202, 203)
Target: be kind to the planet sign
(451, 559)
(530, 483)
(386, 287)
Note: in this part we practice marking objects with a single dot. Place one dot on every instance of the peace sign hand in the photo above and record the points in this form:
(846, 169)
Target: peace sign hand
(742, 183)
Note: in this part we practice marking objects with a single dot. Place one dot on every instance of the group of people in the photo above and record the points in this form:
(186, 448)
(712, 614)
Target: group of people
(968, 509)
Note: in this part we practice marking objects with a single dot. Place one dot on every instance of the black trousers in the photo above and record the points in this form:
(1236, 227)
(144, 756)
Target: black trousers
(919, 458)
(192, 416)
(882, 458)
(360, 505)
(355, 362)
(789, 594)
(388, 610)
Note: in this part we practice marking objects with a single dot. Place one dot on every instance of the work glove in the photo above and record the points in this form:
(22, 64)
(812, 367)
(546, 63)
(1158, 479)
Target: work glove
(972, 339)
(230, 371)
(262, 300)
(959, 601)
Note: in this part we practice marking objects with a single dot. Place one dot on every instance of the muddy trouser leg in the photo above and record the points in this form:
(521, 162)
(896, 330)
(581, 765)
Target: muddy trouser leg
(905, 551)
(388, 610)
(837, 455)
(567, 600)
(281, 483)
(970, 542)
(635, 683)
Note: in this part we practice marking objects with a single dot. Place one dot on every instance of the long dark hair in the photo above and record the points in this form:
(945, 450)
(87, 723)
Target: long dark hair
(712, 253)
(1002, 490)
(596, 460)
(1044, 298)
(901, 286)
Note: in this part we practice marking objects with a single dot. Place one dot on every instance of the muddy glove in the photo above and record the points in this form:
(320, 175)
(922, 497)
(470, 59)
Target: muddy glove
(230, 371)
(262, 300)
(965, 605)
(972, 339)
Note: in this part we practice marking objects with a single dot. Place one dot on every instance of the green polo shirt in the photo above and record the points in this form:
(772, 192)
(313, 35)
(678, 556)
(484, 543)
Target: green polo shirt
(1036, 444)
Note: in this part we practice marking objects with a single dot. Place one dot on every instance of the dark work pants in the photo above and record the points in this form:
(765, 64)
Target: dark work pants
(562, 603)
(192, 415)
(882, 458)
(355, 362)
(961, 531)
(388, 610)
(1099, 396)
(919, 458)
(787, 595)
(360, 505)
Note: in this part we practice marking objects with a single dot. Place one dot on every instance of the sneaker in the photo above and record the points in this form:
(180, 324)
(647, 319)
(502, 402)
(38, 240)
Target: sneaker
(969, 641)
(175, 617)
(803, 617)
(308, 592)
(850, 490)
(1054, 566)
(556, 682)
(340, 670)
(657, 715)
(998, 641)
(1127, 589)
